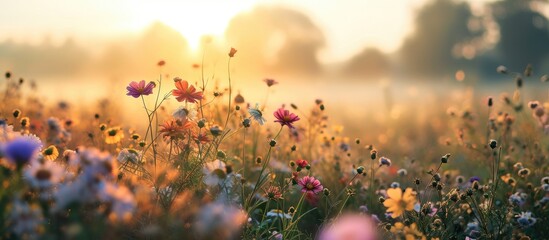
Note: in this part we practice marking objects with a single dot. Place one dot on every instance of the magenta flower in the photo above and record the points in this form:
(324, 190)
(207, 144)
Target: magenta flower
(138, 89)
(284, 117)
(310, 185)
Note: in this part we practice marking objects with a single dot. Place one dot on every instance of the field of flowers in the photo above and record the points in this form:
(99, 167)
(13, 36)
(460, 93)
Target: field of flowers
(218, 167)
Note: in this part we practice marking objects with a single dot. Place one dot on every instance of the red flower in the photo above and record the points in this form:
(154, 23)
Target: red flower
(186, 92)
(302, 163)
(284, 117)
(201, 138)
(232, 52)
(295, 176)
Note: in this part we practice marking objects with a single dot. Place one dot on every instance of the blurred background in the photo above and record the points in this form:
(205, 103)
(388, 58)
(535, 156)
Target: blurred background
(370, 61)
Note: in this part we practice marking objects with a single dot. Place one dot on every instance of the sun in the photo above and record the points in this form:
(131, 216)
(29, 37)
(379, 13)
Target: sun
(193, 19)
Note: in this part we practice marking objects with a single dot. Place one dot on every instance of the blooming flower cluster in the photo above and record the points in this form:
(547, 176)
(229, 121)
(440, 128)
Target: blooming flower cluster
(193, 163)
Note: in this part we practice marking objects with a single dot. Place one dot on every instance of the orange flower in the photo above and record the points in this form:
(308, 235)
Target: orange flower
(186, 92)
(201, 138)
(398, 202)
(508, 179)
(175, 128)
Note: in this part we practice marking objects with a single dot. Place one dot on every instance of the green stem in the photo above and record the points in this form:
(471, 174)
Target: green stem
(230, 92)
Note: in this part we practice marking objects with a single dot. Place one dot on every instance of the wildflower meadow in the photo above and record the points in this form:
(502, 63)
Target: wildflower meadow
(214, 166)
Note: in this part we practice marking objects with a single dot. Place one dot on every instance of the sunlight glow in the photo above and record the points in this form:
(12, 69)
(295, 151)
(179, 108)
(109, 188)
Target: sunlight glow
(192, 19)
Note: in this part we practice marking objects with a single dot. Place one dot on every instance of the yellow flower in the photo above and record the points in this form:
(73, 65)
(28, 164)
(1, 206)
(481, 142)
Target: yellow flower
(113, 135)
(398, 202)
(412, 233)
(397, 228)
(508, 179)
(25, 122)
(50, 153)
(409, 232)
(338, 129)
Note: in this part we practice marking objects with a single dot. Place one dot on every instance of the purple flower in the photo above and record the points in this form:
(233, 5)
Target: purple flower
(21, 150)
(136, 89)
(384, 161)
(475, 178)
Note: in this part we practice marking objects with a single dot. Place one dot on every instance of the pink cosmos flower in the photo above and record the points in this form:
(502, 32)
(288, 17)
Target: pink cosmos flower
(186, 92)
(310, 185)
(350, 227)
(136, 89)
(284, 117)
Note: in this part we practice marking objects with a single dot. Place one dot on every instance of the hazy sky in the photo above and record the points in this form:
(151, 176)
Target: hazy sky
(349, 25)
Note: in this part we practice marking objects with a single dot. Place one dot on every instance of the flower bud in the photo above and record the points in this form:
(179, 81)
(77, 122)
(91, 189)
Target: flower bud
(454, 197)
(501, 69)
(221, 154)
(373, 154)
(528, 70)
(519, 82)
(469, 192)
(16, 113)
(201, 123)
(476, 185)
(247, 123)
(493, 143)
(215, 131)
(291, 210)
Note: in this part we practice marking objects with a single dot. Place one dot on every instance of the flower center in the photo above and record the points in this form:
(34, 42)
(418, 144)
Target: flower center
(112, 133)
(309, 186)
(49, 151)
(43, 174)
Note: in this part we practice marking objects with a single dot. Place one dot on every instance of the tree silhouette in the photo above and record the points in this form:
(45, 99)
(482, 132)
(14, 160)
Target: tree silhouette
(439, 27)
(524, 34)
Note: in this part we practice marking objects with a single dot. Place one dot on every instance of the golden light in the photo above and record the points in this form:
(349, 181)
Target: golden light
(193, 19)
